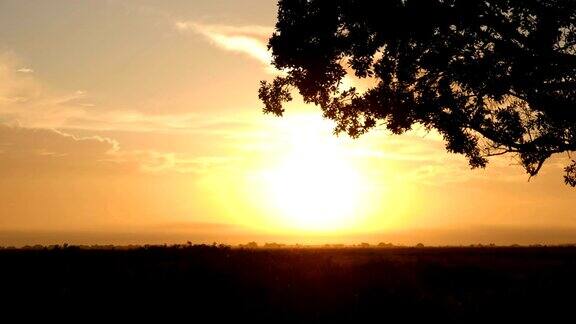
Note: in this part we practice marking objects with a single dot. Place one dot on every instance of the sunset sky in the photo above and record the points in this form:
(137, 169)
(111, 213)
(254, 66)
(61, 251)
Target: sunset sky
(139, 122)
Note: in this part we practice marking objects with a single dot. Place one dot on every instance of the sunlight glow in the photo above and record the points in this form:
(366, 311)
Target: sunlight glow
(315, 186)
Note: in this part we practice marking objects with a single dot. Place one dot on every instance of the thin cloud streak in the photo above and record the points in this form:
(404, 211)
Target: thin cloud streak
(25, 70)
(24, 149)
(248, 40)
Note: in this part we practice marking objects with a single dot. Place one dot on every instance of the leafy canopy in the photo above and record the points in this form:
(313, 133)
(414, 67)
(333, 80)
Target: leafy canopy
(492, 76)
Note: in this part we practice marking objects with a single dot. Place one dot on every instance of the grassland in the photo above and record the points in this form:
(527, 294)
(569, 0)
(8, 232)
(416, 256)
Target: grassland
(330, 285)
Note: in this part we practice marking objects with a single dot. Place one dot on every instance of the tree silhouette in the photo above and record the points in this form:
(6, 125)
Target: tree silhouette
(491, 76)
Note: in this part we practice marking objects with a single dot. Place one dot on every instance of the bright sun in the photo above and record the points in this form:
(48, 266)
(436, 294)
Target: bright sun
(315, 186)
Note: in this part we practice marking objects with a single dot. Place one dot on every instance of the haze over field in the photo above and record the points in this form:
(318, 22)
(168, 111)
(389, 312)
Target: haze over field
(138, 122)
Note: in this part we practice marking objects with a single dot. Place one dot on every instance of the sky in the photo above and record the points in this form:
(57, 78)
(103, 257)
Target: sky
(131, 122)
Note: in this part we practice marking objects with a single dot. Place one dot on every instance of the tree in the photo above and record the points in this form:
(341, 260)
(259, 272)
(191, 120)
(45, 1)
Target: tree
(492, 77)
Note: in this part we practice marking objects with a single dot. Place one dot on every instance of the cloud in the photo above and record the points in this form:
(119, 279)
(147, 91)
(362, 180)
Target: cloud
(257, 31)
(25, 70)
(36, 121)
(36, 150)
(420, 157)
(249, 40)
(25, 150)
(26, 100)
(153, 162)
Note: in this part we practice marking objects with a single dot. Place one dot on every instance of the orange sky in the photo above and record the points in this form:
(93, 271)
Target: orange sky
(138, 122)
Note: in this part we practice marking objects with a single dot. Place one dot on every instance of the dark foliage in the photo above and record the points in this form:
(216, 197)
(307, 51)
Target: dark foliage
(355, 285)
(492, 76)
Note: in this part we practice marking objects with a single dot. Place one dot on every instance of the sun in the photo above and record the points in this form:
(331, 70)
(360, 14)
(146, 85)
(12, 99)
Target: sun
(315, 186)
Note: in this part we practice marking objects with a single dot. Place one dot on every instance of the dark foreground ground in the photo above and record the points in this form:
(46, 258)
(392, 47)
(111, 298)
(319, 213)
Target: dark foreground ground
(208, 284)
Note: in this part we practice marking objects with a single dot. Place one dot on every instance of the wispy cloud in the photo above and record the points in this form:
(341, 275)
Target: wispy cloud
(25, 70)
(27, 100)
(249, 40)
(45, 150)
(42, 150)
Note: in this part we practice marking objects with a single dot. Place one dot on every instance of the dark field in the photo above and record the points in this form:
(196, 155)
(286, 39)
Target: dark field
(192, 284)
